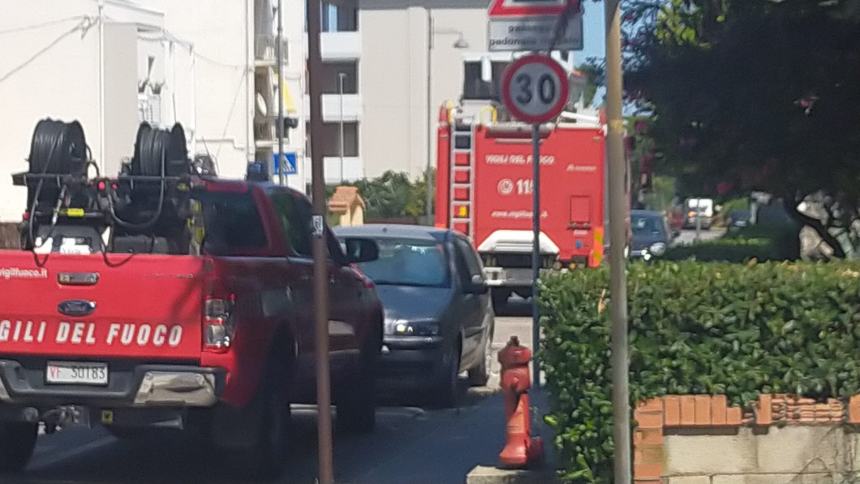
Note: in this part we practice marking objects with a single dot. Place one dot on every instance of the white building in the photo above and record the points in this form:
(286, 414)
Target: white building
(397, 65)
(112, 63)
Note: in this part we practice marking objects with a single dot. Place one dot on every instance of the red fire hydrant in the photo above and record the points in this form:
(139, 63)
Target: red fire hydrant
(521, 449)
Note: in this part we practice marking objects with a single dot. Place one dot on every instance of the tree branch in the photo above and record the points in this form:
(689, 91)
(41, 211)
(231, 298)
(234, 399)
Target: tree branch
(791, 207)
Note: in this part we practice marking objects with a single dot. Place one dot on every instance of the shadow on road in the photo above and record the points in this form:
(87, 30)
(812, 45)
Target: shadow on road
(411, 444)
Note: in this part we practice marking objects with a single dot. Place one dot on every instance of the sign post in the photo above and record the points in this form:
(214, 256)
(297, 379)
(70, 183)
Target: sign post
(535, 90)
(533, 25)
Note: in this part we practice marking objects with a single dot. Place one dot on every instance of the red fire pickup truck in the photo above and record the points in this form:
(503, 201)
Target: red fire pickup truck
(119, 325)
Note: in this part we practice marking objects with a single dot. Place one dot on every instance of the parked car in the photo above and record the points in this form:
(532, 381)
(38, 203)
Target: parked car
(699, 211)
(439, 317)
(651, 235)
(739, 219)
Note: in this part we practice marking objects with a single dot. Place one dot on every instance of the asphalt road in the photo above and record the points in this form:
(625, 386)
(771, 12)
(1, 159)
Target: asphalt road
(689, 236)
(411, 444)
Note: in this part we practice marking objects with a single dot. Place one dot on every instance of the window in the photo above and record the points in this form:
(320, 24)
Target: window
(407, 262)
(470, 261)
(232, 224)
(295, 216)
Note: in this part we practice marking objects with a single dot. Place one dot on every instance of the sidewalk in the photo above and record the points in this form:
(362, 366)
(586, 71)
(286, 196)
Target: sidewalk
(426, 446)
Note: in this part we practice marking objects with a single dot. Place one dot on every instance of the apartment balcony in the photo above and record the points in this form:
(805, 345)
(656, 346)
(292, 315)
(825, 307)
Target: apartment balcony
(339, 46)
(331, 109)
(351, 170)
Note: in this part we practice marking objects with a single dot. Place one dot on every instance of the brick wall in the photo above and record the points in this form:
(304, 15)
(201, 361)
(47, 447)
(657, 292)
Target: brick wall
(700, 439)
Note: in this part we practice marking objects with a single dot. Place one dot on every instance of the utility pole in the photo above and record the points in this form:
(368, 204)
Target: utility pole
(320, 279)
(618, 240)
(280, 41)
(536, 265)
(340, 77)
(428, 183)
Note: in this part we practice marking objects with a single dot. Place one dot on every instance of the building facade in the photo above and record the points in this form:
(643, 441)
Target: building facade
(412, 62)
(113, 63)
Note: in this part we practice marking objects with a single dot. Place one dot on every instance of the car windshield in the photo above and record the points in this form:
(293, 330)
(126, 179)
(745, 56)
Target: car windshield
(647, 225)
(405, 262)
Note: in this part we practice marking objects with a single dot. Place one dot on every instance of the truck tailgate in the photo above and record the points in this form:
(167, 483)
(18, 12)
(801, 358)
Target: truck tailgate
(96, 306)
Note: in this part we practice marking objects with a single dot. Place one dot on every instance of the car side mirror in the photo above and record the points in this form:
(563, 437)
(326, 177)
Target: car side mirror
(360, 250)
(477, 285)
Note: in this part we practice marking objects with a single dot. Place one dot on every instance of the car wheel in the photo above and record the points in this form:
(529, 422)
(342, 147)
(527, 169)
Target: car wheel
(480, 374)
(356, 412)
(446, 393)
(17, 442)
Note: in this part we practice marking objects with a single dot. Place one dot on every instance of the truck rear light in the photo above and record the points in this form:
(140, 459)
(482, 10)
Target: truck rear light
(219, 323)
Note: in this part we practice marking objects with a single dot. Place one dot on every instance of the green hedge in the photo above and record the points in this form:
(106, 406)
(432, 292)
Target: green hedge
(731, 329)
(760, 242)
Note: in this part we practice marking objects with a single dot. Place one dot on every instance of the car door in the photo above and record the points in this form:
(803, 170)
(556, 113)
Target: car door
(295, 222)
(472, 307)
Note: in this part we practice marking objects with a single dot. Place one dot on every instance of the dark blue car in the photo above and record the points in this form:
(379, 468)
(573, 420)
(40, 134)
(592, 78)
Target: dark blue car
(438, 313)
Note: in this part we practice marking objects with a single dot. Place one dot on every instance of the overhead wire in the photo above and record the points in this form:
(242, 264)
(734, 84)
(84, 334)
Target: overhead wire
(84, 25)
(41, 25)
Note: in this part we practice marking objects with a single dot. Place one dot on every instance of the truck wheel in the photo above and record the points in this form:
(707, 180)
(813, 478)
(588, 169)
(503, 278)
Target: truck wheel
(356, 410)
(480, 374)
(266, 459)
(446, 392)
(17, 441)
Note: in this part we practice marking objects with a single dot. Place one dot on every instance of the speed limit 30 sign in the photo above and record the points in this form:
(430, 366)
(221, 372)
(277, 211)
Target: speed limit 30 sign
(535, 88)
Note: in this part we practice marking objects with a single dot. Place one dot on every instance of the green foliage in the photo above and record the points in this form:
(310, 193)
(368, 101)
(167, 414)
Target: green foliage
(661, 195)
(727, 250)
(394, 195)
(732, 329)
(735, 111)
(760, 242)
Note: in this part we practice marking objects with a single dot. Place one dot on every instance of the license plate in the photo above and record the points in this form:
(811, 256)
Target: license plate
(77, 373)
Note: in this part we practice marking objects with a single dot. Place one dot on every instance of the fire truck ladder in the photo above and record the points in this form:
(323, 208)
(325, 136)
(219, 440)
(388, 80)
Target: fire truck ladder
(462, 176)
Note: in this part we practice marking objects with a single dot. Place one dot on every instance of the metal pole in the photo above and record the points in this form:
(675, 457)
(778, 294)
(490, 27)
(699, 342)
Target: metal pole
(102, 129)
(320, 279)
(535, 251)
(698, 219)
(281, 168)
(618, 240)
(428, 182)
(340, 76)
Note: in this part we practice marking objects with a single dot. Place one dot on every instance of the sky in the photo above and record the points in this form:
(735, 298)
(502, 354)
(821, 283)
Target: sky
(593, 30)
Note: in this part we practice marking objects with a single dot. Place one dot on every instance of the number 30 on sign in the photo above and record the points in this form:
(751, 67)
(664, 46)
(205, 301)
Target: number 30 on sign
(535, 88)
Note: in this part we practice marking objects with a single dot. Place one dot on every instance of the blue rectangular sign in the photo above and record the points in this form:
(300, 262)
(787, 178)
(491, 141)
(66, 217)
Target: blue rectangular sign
(291, 166)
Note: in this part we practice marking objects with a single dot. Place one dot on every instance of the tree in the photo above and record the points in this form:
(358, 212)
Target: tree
(754, 95)
(393, 195)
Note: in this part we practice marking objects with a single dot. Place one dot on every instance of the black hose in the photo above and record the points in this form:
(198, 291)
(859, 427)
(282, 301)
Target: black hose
(57, 148)
(155, 146)
(144, 225)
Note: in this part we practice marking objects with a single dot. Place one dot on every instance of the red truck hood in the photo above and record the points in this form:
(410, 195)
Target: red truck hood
(96, 306)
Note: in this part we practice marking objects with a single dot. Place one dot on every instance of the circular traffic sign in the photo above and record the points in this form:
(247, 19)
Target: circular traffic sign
(535, 88)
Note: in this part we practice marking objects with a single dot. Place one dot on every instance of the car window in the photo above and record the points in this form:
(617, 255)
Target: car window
(647, 225)
(408, 262)
(232, 224)
(295, 216)
(470, 259)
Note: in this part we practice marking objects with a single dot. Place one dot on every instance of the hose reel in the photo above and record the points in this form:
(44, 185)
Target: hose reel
(160, 152)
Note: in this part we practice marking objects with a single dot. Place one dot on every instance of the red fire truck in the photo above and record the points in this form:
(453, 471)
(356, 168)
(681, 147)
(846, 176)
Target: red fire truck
(484, 190)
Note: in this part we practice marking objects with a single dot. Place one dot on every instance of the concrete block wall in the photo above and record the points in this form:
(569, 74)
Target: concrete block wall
(701, 439)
